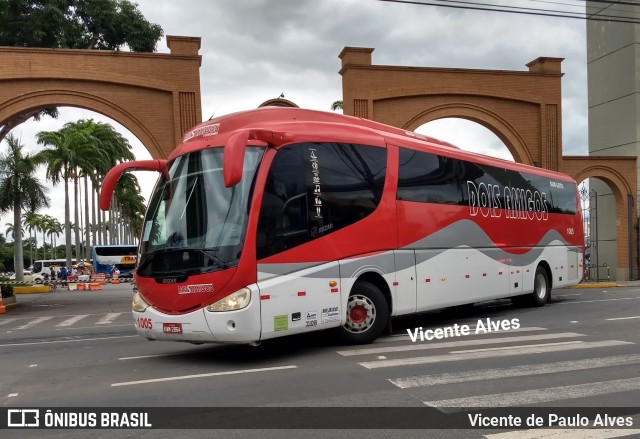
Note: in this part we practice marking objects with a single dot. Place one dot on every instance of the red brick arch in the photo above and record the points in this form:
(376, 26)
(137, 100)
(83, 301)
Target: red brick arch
(156, 96)
(604, 171)
(71, 98)
(490, 120)
(523, 108)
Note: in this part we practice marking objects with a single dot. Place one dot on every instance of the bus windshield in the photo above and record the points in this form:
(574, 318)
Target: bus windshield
(194, 224)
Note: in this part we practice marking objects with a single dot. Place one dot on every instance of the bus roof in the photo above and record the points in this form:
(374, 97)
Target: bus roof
(299, 125)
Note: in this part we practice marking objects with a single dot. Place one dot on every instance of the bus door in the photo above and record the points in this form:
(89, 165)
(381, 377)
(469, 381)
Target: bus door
(295, 298)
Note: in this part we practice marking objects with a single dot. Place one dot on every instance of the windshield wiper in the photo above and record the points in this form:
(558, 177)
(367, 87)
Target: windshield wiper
(219, 262)
(171, 262)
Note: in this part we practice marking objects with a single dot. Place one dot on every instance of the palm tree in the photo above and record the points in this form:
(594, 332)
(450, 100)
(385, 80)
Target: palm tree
(83, 149)
(117, 149)
(337, 105)
(46, 224)
(30, 221)
(113, 147)
(19, 189)
(71, 149)
(10, 230)
(54, 229)
(40, 227)
(131, 204)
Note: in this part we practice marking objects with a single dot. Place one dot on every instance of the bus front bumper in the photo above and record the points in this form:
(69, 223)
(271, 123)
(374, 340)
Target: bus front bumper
(202, 326)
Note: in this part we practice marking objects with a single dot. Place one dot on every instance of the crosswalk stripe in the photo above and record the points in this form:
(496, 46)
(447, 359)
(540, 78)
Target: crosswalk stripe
(204, 375)
(72, 320)
(108, 318)
(597, 300)
(536, 396)
(514, 350)
(452, 344)
(516, 371)
(472, 328)
(553, 433)
(508, 348)
(34, 322)
(624, 318)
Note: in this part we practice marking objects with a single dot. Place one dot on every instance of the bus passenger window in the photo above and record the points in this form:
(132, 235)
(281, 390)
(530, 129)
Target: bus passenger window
(314, 189)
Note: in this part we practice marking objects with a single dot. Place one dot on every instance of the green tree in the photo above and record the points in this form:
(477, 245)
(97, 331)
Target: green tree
(337, 105)
(6, 254)
(19, 188)
(73, 24)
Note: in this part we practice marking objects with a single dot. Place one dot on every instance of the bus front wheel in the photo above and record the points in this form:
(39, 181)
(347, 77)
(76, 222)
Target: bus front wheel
(367, 314)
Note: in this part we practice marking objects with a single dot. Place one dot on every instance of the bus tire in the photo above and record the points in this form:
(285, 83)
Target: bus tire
(367, 314)
(541, 290)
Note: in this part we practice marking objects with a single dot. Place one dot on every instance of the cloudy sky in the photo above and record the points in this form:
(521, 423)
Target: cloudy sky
(253, 50)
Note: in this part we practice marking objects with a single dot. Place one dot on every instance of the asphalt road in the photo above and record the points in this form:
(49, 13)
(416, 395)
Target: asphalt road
(79, 349)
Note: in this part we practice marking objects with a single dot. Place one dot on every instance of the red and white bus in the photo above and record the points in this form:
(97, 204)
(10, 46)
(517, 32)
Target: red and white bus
(281, 221)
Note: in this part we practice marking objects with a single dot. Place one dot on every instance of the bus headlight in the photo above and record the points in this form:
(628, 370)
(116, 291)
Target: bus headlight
(138, 303)
(238, 300)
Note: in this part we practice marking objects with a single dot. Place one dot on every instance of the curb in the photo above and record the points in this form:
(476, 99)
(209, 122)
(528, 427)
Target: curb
(597, 285)
(9, 302)
(11, 305)
(58, 282)
(37, 289)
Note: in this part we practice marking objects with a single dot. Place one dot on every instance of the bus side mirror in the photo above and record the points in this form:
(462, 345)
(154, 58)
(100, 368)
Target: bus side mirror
(234, 149)
(233, 158)
(110, 180)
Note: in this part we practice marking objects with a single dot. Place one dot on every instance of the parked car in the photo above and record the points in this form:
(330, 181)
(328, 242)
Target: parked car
(29, 277)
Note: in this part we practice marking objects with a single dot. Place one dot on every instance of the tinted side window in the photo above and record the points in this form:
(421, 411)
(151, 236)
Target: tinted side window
(563, 197)
(560, 195)
(430, 178)
(346, 183)
(314, 189)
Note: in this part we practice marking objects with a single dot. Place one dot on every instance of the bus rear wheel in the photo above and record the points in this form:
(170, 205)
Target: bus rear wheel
(541, 290)
(367, 314)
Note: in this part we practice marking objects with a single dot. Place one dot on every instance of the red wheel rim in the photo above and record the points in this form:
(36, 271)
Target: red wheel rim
(358, 314)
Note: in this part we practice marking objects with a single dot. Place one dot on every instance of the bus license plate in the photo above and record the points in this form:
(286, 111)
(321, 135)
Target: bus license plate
(172, 328)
